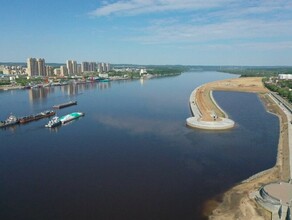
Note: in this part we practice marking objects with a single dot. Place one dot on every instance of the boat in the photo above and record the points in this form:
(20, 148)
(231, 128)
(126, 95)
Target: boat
(74, 115)
(56, 84)
(44, 114)
(104, 80)
(47, 85)
(38, 116)
(11, 120)
(26, 87)
(26, 119)
(67, 104)
(54, 122)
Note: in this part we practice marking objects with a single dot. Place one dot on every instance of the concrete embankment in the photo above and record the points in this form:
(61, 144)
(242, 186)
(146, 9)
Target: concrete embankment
(197, 121)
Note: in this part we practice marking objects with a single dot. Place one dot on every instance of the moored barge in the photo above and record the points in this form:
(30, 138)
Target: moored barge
(74, 115)
(38, 116)
(67, 104)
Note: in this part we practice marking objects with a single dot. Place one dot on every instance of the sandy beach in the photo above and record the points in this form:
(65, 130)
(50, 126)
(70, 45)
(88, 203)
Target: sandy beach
(236, 202)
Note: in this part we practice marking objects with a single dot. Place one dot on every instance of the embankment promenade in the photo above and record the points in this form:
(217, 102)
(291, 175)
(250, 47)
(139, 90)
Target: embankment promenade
(237, 203)
(207, 114)
(205, 118)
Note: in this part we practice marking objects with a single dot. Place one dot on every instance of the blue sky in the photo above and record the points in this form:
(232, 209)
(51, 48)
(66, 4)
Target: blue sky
(194, 32)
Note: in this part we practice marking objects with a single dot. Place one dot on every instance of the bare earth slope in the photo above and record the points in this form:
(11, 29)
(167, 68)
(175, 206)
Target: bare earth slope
(236, 203)
(205, 103)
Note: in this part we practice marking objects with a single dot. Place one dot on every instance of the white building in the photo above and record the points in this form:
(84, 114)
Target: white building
(63, 71)
(57, 72)
(49, 71)
(143, 71)
(285, 76)
(71, 66)
(103, 67)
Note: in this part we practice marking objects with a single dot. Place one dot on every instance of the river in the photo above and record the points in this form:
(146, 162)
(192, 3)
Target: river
(131, 156)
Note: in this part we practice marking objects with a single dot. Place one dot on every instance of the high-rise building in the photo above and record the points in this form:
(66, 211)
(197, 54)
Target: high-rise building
(32, 68)
(49, 71)
(88, 67)
(78, 68)
(41, 67)
(84, 67)
(99, 68)
(103, 67)
(74, 65)
(63, 71)
(36, 67)
(71, 66)
(107, 67)
(92, 67)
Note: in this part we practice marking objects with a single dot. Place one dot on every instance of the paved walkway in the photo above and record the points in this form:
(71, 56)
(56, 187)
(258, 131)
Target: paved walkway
(197, 122)
(289, 117)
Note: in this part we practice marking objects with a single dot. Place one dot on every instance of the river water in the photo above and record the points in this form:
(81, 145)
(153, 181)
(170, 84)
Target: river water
(131, 156)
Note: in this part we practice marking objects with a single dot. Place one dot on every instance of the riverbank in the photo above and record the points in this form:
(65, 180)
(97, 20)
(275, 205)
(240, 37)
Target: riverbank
(207, 114)
(236, 202)
(9, 87)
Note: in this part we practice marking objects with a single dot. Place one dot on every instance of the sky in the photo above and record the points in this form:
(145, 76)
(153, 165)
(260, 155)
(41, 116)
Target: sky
(186, 32)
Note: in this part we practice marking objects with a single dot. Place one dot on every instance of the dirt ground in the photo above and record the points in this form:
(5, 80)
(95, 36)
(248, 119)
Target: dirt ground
(207, 106)
(236, 202)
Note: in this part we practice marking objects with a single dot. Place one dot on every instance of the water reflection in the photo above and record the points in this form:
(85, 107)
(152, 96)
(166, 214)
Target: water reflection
(140, 125)
(72, 89)
(11, 129)
(38, 93)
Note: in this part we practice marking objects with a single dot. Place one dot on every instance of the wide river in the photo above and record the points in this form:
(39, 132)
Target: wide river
(131, 156)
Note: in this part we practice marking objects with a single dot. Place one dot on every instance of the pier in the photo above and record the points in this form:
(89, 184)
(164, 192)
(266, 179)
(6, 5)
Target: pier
(207, 114)
(204, 118)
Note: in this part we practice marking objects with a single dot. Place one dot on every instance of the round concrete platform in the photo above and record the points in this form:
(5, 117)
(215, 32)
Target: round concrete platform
(197, 122)
(280, 193)
(223, 124)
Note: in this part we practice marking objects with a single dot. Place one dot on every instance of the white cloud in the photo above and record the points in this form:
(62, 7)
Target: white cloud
(134, 7)
(263, 24)
(164, 33)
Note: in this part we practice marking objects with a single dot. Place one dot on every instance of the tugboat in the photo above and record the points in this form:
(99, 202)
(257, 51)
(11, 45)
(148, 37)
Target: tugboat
(11, 120)
(54, 122)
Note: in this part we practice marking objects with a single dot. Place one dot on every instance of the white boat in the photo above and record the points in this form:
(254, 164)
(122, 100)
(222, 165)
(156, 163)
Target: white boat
(11, 120)
(54, 122)
(74, 115)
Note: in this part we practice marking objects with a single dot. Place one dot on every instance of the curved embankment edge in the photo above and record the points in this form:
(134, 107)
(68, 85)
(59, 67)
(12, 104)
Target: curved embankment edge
(197, 122)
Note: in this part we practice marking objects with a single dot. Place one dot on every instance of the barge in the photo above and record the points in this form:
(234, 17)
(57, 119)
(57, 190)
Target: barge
(38, 116)
(74, 115)
(63, 105)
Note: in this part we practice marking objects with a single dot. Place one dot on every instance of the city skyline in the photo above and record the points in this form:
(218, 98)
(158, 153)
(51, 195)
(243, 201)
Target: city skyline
(186, 32)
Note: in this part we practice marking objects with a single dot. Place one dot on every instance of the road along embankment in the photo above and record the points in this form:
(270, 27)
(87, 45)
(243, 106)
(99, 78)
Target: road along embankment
(238, 202)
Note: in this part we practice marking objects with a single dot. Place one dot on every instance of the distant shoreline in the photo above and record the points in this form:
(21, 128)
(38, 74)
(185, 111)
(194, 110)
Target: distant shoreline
(4, 88)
